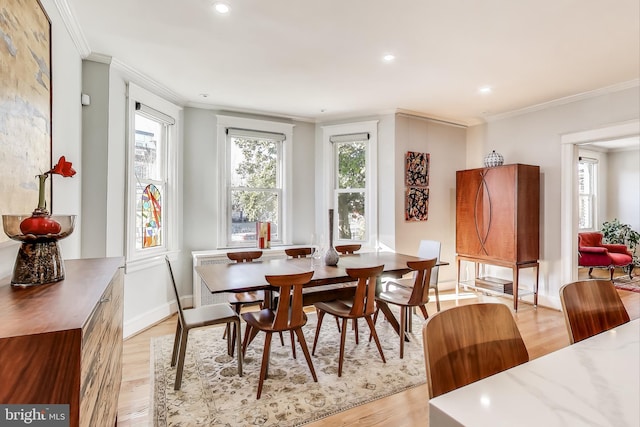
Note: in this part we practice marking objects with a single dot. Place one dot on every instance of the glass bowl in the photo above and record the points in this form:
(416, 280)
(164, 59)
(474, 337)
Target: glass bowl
(11, 225)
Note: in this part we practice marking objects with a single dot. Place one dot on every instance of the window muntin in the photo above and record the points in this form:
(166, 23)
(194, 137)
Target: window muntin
(587, 179)
(350, 193)
(255, 191)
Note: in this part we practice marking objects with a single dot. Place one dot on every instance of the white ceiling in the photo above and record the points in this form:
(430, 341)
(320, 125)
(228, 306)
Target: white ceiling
(323, 59)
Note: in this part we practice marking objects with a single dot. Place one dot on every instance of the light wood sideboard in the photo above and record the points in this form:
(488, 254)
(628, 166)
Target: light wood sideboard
(61, 343)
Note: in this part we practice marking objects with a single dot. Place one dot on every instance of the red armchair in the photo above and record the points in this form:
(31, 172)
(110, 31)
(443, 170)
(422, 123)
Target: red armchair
(593, 253)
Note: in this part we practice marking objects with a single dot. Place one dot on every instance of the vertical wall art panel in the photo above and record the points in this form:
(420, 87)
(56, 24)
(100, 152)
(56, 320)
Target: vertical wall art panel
(417, 181)
(25, 104)
(416, 203)
(417, 169)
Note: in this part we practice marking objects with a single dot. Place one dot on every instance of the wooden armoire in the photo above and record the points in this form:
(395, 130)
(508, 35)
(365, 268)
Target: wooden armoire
(498, 222)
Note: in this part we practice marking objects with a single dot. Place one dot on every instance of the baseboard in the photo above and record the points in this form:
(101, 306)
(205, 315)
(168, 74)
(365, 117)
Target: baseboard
(152, 317)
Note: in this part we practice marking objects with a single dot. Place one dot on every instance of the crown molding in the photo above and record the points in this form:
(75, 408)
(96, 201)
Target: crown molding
(566, 100)
(421, 116)
(147, 82)
(73, 27)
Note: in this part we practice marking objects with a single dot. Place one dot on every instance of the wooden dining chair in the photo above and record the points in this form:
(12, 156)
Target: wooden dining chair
(361, 305)
(207, 315)
(348, 249)
(298, 252)
(591, 307)
(240, 299)
(416, 295)
(288, 316)
(467, 343)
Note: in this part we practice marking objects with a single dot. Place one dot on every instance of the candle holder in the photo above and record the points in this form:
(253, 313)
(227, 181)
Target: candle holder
(39, 260)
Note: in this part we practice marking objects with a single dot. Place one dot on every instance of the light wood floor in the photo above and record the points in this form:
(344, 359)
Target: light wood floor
(542, 329)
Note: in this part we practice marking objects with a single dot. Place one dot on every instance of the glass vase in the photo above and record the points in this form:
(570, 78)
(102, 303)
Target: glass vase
(39, 260)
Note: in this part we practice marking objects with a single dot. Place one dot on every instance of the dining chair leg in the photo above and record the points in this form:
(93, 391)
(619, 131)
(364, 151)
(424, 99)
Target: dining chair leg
(403, 326)
(423, 309)
(181, 356)
(354, 326)
(293, 344)
(315, 338)
(245, 342)
(176, 343)
(305, 350)
(337, 323)
(372, 327)
(437, 298)
(343, 336)
(265, 362)
(238, 347)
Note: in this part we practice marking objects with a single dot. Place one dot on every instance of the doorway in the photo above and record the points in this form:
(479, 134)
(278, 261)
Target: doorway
(569, 190)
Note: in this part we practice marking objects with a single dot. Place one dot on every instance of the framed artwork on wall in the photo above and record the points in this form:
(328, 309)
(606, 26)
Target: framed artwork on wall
(25, 105)
(416, 202)
(417, 169)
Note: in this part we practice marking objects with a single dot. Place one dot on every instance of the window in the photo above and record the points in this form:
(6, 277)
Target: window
(587, 184)
(254, 187)
(152, 176)
(350, 191)
(351, 180)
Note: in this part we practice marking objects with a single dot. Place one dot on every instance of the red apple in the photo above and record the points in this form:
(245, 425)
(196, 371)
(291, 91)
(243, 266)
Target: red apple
(39, 225)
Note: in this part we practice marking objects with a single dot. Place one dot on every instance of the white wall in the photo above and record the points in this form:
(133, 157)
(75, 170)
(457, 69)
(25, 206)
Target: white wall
(66, 117)
(446, 145)
(624, 188)
(534, 138)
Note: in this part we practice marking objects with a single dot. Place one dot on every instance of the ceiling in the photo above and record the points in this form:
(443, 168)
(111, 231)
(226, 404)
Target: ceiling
(322, 60)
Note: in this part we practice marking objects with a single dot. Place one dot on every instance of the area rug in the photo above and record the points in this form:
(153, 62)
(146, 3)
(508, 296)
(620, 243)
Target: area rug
(625, 283)
(212, 393)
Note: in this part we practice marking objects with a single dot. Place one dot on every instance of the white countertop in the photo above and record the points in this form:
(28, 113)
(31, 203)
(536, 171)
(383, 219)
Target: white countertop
(595, 382)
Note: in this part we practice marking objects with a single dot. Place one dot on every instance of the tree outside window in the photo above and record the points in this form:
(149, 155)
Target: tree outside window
(351, 182)
(255, 191)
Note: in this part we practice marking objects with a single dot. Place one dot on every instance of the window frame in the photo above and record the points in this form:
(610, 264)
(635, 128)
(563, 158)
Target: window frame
(330, 181)
(224, 176)
(162, 111)
(592, 195)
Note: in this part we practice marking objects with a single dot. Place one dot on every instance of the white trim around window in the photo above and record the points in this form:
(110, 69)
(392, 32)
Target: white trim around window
(370, 127)
(137, 259)
(224, 122)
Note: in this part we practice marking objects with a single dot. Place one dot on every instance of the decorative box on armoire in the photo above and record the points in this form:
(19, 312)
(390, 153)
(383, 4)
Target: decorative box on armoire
(61, 343)
(498, 223)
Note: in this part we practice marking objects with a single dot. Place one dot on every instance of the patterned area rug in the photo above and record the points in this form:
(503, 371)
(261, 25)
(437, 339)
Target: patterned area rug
(213, 394)
(623, 282)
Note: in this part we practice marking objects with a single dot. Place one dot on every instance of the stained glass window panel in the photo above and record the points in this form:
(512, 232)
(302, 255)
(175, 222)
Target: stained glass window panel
(151, 217)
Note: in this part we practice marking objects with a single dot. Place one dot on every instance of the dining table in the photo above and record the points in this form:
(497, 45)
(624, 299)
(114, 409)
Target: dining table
(595, 382)
(250, 276)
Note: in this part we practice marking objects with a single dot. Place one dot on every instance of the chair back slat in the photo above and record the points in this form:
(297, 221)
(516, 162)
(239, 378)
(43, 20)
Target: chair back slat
(289, 313)
(247, 256)
(348, 249)
(591, 307)
(298, 252)
(467, 343)
(422, 278)
(365, 294)
(175, 290)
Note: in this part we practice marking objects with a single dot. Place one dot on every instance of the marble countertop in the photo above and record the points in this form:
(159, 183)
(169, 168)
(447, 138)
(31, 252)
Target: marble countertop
(593, 382)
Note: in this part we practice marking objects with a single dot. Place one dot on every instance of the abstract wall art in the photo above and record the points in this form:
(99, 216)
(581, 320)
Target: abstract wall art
(417, 186)
(25, 104)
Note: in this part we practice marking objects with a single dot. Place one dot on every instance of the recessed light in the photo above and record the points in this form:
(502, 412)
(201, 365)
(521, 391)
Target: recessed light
(388, 57)
(485, 90)
(221, 8)
(204, 95)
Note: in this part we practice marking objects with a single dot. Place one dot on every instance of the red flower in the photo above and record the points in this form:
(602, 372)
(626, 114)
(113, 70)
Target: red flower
(63, 168)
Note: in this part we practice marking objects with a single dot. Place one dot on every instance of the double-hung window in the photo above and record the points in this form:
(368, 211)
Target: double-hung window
(152, 167)
(352, 181)
(255, 188)
(587, 184)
